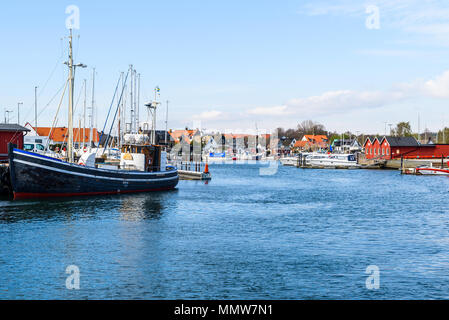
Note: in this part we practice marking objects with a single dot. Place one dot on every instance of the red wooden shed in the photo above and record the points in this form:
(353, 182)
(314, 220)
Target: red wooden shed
(10, 133)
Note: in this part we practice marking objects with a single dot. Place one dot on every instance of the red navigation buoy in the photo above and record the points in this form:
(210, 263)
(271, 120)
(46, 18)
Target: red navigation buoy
(206, 169)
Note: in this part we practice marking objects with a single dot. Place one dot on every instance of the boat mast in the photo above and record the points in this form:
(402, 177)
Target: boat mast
(166, 126)
(84, 116)
(131, 102)
(138, 104)
(71, 93)
(119, 131)
(71, 90)
(156, 90)
(91, 116)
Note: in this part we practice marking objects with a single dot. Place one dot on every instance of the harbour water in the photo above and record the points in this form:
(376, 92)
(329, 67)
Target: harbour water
(298, 234)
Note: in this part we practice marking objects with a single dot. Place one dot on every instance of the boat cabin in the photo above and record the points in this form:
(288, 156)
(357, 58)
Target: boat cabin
(147, 158)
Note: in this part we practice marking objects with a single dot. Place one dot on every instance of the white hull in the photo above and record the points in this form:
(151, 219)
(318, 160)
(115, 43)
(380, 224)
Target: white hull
(289, 162)
(332, 161)
(433, 172)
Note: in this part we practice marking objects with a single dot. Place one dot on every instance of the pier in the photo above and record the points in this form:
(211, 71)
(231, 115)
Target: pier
(193, 171)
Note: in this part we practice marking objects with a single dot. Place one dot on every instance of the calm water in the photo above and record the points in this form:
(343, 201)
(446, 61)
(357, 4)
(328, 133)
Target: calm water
(300, 234)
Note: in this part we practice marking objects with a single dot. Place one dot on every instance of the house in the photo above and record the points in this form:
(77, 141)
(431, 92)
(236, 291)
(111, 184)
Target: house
(389, 148)
(372, 148)
(211, 146)
(312, 142)
(346, 146)
(10, 133)
(292, 144)
(182, 136)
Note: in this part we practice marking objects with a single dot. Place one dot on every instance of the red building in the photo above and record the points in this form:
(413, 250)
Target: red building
(403, 147)
(372, 148)
(10, 133)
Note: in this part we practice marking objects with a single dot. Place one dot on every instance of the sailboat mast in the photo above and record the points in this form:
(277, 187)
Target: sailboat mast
(119, 125)
(131, 102)
(84, 116)
(138, 104)
(91, 133)
(71, 91)
(154, 114)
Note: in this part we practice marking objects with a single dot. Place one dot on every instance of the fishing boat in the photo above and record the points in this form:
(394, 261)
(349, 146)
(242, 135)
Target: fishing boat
(142, 167)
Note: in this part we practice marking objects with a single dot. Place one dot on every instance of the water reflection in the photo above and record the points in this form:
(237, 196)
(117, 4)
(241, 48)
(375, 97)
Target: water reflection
(138, 207)
(143, 207)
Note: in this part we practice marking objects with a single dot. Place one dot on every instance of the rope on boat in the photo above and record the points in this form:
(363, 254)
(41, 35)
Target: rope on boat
(115, 115)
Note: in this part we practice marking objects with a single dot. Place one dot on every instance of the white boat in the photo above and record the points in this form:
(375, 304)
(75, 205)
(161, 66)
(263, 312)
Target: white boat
(332, 160)
(430, 170)
(290, 161)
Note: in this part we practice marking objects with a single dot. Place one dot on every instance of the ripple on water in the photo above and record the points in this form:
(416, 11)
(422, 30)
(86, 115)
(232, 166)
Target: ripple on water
(298, 234)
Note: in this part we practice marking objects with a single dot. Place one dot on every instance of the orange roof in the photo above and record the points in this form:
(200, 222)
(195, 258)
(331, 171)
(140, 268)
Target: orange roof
(300, 144)
(317, 138)
(187, 134)
(61, 134)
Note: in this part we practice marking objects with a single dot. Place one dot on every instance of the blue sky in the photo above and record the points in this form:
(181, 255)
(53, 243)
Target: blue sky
(232, 64)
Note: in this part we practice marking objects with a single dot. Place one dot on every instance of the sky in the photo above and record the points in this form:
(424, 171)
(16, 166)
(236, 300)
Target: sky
(236, 65)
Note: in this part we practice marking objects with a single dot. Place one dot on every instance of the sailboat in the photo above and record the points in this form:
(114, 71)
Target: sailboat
(143, 167)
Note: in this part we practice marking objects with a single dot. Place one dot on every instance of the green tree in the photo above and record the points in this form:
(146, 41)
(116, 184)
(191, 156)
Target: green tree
(443, 136)
(403, 129)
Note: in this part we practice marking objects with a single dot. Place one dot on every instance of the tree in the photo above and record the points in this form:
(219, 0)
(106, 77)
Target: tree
(443, 136)
(403, 129)
(311, 127)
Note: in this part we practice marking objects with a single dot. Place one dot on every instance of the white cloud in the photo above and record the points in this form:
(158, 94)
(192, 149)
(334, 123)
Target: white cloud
(343, 101)
(269, 111)
(438, 87)
(208, 115)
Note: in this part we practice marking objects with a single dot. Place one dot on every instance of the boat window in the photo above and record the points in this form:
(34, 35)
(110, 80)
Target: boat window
(351, 158)
(40, 147)
(28, 147)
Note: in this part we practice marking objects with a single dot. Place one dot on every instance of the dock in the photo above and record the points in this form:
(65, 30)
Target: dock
(193, 175)
(188, 170)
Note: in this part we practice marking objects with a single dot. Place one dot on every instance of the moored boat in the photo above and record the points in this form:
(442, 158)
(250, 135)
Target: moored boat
(332, 161)
(139, 166)
(432, 171)
(37, 176)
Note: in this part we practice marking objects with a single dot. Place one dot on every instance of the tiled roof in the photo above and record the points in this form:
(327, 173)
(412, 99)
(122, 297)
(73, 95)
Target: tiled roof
(61, 134)
(317, 138)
